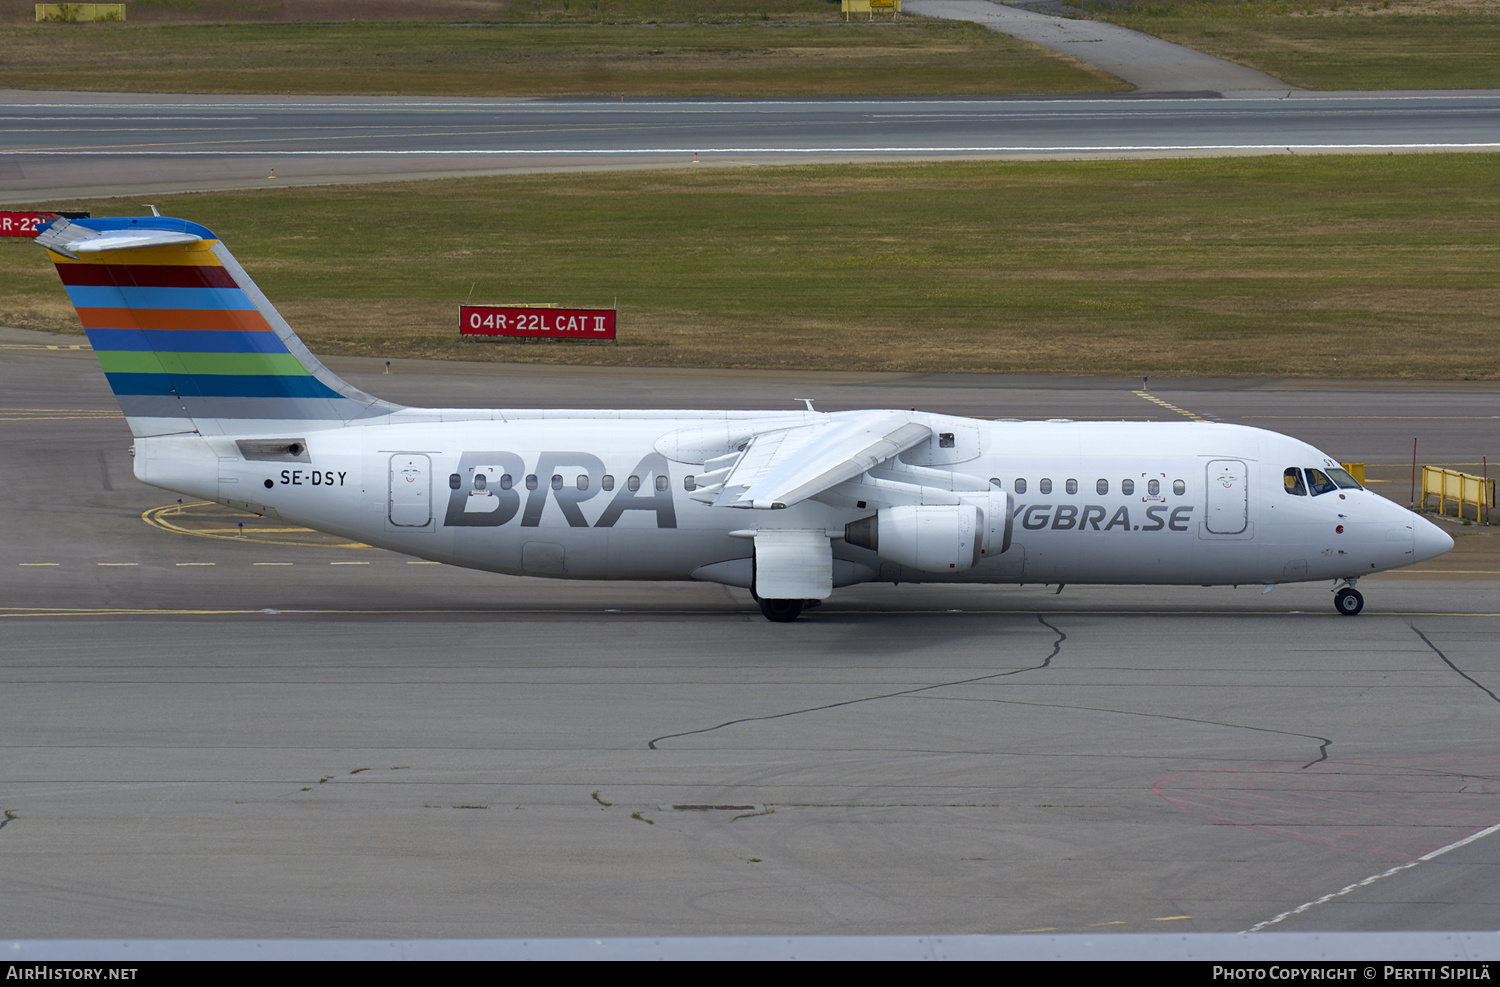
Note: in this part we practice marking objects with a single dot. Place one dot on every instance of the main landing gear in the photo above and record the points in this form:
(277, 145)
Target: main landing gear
(781, 611)
(1349, 601)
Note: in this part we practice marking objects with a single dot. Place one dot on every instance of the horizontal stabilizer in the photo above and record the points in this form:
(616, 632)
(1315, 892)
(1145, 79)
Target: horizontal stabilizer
(73, 240)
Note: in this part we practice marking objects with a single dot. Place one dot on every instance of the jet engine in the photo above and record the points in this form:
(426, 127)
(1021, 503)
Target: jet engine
(936, 538)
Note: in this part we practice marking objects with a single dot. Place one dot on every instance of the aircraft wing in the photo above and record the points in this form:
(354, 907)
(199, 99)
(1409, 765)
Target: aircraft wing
(783, 467)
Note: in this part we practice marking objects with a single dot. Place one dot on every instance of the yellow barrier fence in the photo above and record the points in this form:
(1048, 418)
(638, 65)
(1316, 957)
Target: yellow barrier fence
(1466, 495)
(1356, 470)
(870, 7)
(72, 13)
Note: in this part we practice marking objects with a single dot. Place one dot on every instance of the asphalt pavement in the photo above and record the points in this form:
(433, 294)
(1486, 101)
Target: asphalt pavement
(249, 733)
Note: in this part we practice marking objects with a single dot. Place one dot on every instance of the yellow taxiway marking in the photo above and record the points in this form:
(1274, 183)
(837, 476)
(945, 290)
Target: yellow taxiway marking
(167, 517)
(1379, 418)
(59, 418)
(1170, 407)
(195, 563)
(235, 531)
(1446, 572)
(56, 414)
(39, 563)
(1171, 918)
(116, 563)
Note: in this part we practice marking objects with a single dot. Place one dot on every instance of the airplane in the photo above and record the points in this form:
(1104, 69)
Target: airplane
(226, 404)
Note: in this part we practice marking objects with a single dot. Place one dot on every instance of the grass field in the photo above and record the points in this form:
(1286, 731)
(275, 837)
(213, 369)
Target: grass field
(578, 48)
(648, 48)
(1335, 266)
(1333, 44)
(582, 60)
(458, 11)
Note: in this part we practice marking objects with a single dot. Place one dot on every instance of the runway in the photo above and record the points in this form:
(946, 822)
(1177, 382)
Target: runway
(67, 146)
(210, 733)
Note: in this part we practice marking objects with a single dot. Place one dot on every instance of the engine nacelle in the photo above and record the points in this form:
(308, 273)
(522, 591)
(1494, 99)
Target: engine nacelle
(936, 537)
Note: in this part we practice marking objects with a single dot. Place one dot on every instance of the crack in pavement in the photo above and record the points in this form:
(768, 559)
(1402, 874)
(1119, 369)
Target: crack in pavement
(1046, 662)
(1323, 742)
(1449, 662)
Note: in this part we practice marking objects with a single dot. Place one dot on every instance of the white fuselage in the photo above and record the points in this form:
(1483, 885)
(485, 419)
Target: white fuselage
(607, 495)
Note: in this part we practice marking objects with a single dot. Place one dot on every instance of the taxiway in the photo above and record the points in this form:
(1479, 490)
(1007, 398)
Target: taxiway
(210, 733)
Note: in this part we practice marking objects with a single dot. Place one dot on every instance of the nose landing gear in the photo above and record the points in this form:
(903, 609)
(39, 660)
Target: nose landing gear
(1349, 601)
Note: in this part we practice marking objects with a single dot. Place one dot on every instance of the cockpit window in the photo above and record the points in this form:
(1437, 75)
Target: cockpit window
(1293, 480)
(1318, 482)
(1344, 480)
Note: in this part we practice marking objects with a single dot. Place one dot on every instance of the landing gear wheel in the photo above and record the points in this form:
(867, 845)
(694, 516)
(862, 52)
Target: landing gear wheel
(781, 611)
(1348, 602)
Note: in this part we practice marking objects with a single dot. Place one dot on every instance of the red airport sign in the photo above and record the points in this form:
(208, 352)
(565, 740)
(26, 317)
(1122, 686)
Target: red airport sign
(26, 223)
(554, 323)
(23, 223)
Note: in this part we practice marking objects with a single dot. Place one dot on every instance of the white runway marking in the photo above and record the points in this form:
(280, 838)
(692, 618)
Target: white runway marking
(1376, 877)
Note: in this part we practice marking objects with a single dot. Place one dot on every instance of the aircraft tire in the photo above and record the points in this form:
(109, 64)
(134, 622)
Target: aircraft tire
(1349, 602)
(780, 611)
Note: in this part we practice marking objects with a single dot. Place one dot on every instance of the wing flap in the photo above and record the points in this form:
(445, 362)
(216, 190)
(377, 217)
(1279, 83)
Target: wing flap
(784, 467)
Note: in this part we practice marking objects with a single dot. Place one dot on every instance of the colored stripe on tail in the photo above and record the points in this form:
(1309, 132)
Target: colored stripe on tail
(187, 340)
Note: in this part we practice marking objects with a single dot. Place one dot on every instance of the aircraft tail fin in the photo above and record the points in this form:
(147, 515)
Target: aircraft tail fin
(187, 340)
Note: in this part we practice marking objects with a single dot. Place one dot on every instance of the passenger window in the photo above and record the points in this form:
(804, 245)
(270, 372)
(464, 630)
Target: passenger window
(480, 481)
(583, 481)
(1318, 482)
(1045, 486)
(530, 481)
(455, 481)
(1127, 487)
(1102, 487)
(1153, 487)
(1020, 485)
(609, 483)
(1179, 488)
(661, 482)
(505, 481)
(995, 482)
(688, 484)
(556, 481)
(634, 483)
(1072, 486)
